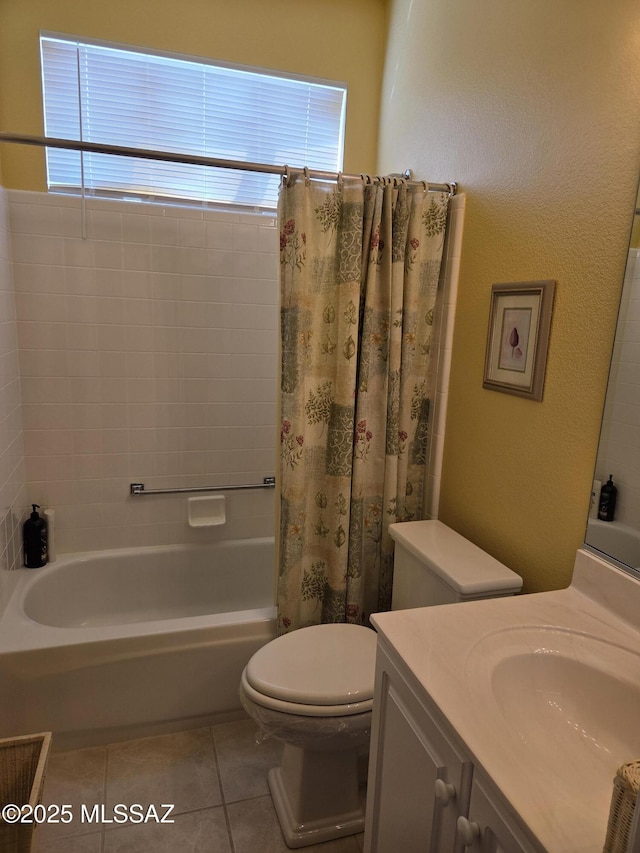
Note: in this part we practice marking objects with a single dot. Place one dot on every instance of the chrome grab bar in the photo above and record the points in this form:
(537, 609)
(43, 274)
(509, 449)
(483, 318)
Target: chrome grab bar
(139, 489)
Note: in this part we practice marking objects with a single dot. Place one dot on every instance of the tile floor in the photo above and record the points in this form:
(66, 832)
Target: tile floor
(216, 777)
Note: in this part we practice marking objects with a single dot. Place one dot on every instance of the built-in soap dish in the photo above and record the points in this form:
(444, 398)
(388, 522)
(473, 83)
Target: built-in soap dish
(207, 511)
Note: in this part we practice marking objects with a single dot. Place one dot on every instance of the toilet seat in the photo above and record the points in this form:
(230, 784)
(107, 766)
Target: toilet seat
(300, 709)
(322, 670)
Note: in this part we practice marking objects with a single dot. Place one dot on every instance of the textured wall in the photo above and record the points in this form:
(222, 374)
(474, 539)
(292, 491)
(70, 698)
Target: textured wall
(534, 107)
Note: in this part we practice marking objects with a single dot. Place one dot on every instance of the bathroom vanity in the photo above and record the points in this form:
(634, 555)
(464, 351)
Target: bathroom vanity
(499, 725)
(423, 777)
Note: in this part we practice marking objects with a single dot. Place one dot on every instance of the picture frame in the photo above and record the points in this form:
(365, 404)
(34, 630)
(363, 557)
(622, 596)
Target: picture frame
(518, 337)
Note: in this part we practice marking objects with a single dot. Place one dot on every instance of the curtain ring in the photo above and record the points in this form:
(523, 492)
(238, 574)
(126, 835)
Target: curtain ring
(340, 181)
(286, 176)
(425, 187)
(307, 176)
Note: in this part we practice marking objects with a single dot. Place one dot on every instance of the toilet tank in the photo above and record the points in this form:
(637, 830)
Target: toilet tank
(435, 565)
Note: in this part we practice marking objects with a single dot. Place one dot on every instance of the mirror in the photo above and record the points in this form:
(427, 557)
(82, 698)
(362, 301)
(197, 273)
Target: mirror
(619, 448)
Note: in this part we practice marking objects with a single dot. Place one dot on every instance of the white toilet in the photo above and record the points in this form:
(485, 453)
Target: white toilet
(313, 688)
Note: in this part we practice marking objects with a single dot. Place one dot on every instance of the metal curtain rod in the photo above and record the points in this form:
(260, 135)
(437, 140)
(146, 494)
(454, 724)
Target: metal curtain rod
(189, 159)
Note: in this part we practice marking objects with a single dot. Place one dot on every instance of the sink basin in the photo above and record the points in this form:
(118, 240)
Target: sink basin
(569, 700)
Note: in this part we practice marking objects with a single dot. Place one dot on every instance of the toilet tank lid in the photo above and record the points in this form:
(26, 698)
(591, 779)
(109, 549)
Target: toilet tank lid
(462, 565)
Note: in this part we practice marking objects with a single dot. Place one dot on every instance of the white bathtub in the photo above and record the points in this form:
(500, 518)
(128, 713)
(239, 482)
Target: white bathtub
(616, 540)
(132, 639)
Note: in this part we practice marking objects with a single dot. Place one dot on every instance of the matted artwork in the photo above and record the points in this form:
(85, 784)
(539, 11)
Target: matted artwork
(518, 338)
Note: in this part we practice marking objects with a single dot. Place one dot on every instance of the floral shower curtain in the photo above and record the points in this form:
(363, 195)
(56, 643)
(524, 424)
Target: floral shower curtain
(359, 268)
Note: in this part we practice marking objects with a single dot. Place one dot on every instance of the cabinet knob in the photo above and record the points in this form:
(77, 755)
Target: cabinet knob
(468, 830)
(445, 792)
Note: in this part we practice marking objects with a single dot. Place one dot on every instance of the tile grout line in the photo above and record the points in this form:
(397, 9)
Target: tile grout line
(103, 839)
(222, 794)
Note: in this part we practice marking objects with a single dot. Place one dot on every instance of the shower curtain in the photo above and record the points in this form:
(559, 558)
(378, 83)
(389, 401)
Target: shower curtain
(359, 269)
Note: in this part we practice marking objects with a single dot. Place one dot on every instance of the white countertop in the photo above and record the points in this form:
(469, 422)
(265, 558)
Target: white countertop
(562, 794)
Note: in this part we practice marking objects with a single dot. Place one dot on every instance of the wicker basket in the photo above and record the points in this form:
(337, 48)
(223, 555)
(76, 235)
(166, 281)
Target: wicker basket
(23, 761)
(623, 802)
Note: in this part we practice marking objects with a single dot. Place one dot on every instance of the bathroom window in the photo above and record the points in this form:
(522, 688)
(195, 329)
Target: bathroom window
(110, 94)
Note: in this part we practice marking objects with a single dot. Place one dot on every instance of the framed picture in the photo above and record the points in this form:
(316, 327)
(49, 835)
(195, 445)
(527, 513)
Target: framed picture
(518, 338)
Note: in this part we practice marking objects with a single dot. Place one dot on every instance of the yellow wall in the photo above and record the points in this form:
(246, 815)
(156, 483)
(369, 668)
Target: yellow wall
(534, 107)
(335, 39)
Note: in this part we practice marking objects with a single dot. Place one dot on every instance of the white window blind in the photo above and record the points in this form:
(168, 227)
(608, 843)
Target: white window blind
(111, 95)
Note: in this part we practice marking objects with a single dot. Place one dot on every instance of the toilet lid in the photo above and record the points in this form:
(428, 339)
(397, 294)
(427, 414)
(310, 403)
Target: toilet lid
(319, 665)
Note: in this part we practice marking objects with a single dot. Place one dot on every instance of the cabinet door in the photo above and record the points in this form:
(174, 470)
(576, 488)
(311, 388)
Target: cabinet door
(488, 829)
(408, 809)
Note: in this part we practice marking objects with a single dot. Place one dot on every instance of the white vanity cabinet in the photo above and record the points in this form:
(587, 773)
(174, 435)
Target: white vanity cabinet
(422, 795)
(487, 829)
(418, 783)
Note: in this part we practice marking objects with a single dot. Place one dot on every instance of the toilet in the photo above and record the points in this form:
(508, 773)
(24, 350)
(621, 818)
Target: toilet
(313, 688)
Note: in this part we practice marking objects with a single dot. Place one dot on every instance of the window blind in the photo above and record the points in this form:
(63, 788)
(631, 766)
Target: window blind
(112, 95)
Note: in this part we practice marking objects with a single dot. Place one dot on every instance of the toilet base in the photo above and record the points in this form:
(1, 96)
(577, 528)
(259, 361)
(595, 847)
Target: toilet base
(316, 795)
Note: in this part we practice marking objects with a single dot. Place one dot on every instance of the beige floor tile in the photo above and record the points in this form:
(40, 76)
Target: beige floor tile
(76, 844)
(9, 839)
(197, 832)
(243, 763)
(255, 827)
(176, 768)
(74, 778)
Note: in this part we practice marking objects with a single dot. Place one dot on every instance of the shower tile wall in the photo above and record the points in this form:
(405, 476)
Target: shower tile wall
(12, 492)
(619, 451)
(148, 353)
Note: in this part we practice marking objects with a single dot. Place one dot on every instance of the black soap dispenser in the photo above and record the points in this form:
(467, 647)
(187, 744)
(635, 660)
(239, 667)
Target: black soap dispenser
(34, 538)
(607, 504)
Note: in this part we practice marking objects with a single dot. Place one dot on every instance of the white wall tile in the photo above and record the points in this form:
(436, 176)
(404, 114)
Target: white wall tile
(219, 235)
(136, 228)
(245, 264)
(220, 262)
(164, 231)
